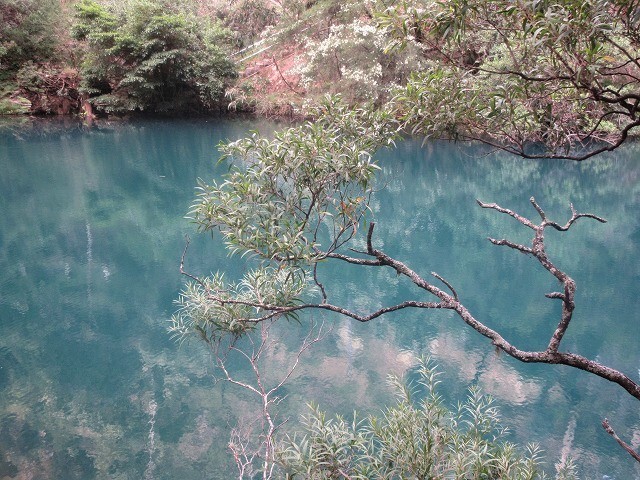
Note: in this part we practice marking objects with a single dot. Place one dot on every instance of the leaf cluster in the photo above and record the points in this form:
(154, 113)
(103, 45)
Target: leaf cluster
(297, 196)
(215, 310)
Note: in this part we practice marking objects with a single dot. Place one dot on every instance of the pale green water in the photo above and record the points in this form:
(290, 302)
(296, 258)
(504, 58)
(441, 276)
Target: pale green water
(91, 233)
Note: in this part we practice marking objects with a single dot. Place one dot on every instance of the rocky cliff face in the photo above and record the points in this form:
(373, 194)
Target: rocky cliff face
(55, 92)
(43, 89)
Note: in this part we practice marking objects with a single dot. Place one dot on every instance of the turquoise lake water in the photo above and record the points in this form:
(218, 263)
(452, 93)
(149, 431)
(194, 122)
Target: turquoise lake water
(92, 229)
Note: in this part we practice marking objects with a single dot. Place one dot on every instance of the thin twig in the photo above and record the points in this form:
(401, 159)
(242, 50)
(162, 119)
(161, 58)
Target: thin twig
(622, 443)
(183, 272)
(453, 290)
(275, 63)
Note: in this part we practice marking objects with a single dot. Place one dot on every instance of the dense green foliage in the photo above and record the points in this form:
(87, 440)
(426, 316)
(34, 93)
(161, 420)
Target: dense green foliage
(151, 57)
(346, 54)
(27, 32)
(36, 58)
(522, 74)
(517, 75)
(249, 18)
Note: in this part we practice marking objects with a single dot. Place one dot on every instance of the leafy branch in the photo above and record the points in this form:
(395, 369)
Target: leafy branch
(535, 79)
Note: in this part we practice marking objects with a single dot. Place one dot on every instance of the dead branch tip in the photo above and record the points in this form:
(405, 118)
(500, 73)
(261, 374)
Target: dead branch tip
(622, 443)
(543, 216)
(184, 253)
(557, 295)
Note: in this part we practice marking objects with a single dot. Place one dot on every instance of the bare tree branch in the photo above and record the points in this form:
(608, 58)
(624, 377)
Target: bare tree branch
(526, 222)
(455, 294)
(354, 260)
(182, 270)
(267, 313)
(277, 310)
(622, 443)
(247, 445)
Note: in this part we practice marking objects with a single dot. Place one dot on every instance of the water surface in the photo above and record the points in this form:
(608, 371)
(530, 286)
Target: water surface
(91, 234)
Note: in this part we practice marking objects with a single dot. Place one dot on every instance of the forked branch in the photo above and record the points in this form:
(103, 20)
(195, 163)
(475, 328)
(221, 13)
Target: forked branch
(253, 447)
(538, 250)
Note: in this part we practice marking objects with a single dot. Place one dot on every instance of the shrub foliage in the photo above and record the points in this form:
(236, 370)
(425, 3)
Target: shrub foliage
(418, 437)
(151, 57)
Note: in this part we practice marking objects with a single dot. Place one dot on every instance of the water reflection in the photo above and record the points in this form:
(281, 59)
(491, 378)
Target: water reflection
(496, 377)
(91, 232)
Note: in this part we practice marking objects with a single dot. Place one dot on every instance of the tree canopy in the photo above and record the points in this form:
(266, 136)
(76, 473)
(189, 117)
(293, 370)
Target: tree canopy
(522, 75)
(27, 32)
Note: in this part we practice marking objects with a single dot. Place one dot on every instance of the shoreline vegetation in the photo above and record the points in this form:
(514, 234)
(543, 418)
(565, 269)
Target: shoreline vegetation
(103, 58)
(99, 58)
(515, 76)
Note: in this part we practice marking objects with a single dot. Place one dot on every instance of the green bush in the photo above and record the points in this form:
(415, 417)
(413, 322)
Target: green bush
(14, 106)
(151, 57)
(27, 31)
(249, 18)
